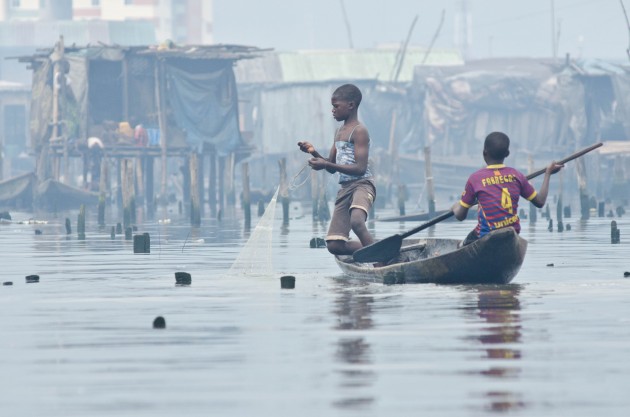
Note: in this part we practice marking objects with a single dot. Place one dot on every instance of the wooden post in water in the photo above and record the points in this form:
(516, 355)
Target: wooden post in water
(532, 208)
(102, 198)
(314, 193)
(119, 188)
(200, 183)
(221, 183)
(195, 212)
(212, 184)
(284, 190)
(401, 199)
(322, 210)
(148, 188)
(185, 170)
(163, 128)
(584, 200)
(139, 181)
(246, 198)
(129, 205)
(559, 205)
(615, 234)
(230, 192)
(81, 223)
(428, 174)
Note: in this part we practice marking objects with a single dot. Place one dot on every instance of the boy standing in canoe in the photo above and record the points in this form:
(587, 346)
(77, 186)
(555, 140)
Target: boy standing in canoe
(349, 157)
(497, 189)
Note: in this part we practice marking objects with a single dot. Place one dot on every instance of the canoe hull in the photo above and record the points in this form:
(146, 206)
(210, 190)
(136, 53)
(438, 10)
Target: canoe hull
(494, 259)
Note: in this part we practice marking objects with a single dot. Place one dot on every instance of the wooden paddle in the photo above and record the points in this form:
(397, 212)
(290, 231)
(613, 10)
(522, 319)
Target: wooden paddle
(388, 248)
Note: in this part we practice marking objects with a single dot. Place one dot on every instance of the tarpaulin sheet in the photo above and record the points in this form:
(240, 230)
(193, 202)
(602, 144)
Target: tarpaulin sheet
(203, 99)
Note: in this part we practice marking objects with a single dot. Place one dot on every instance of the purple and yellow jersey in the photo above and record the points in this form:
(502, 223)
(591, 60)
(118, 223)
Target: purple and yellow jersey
(497, 189)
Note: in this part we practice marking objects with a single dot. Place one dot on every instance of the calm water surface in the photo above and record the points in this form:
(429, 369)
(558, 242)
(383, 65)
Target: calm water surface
(80, 342)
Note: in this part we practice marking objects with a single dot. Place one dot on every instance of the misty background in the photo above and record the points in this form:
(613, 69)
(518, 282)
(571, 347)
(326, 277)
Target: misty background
(495, 28)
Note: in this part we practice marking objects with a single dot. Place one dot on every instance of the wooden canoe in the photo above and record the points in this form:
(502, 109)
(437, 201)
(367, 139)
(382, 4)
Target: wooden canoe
(494, 259)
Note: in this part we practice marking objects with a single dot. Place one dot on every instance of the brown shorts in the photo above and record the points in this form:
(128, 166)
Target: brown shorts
(357, 194)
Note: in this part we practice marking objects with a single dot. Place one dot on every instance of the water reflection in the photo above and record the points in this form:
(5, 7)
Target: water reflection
(499, 308)
(353, 309)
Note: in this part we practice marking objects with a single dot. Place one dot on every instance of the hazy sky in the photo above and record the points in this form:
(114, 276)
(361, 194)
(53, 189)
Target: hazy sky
(587, 28)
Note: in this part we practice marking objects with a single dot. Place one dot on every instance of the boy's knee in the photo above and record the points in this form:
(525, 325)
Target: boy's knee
(335, 246)
(357, 219)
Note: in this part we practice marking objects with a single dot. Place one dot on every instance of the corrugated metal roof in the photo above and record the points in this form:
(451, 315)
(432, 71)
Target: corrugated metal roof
(321, 65)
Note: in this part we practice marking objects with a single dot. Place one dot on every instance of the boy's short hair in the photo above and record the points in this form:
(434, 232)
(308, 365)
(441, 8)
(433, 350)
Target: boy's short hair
(497, 145)
(349, 92)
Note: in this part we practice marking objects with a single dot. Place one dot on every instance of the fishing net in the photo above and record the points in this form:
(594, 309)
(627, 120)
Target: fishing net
(255, 259)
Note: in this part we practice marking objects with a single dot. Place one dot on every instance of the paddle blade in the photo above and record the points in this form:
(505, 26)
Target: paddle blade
(381, 251)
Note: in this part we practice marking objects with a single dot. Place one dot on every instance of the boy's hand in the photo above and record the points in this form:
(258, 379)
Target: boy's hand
(553, 167)
(306, 147)
(317, 163)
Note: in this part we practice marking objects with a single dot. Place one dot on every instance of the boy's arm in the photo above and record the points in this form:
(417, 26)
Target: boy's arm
(541, 197)
(460, 211)
(467, 200)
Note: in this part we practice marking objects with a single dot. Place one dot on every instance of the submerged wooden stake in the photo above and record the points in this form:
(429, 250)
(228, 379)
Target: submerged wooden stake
(615, 234)
(81, 223)
(142, 243)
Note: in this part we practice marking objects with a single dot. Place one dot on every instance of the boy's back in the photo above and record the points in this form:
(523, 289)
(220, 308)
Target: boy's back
(497, 189)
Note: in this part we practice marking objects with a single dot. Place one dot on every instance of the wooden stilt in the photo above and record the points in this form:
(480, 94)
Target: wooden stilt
(221, 183)
(128, 194)
(229, 180)
(402, 196)
(284, 190)
(314, 194)
(119, 187)
(185, 170)
(81, 223)
(102, 199)
(195, 214)
(200, 183)
(428, 175)
(246, 197)
(149, 183)
(163, 128)
(584, 200)
(212, 184)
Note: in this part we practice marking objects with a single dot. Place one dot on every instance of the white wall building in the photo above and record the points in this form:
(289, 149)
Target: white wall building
(182, 21)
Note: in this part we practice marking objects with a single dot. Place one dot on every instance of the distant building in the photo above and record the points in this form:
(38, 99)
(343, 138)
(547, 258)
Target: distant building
(182, 21)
